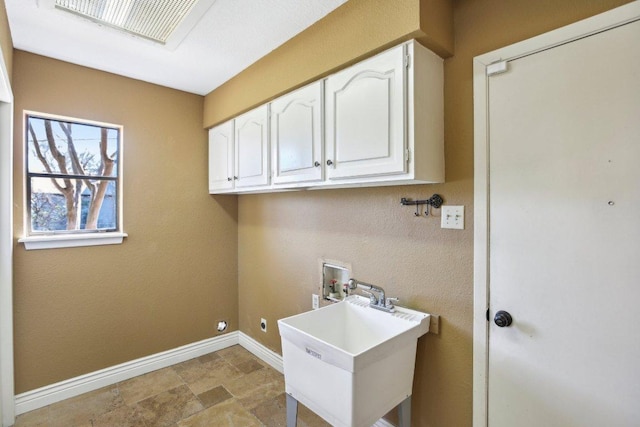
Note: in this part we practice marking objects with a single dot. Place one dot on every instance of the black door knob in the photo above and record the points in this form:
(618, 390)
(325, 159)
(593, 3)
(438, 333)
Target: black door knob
(503, 319)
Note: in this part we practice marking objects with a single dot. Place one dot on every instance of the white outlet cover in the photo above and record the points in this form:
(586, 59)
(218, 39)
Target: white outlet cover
(452, 217)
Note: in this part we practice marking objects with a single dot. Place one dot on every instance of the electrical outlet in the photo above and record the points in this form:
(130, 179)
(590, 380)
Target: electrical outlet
(315, 301)
(452, 217)
(263, 325)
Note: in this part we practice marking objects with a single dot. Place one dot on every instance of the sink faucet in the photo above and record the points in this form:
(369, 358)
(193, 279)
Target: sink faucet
(375, 301)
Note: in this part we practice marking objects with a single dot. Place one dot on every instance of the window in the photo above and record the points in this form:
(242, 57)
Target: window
(73, 182)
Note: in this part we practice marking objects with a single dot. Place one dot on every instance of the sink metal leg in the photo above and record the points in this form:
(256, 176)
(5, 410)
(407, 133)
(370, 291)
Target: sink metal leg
(404, 413)
(292, 411)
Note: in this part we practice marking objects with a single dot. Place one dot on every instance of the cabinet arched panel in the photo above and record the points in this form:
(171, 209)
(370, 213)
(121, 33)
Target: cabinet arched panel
(221, 157)
(293, 125)
(365, 118)
(251, 148)
(296, 135)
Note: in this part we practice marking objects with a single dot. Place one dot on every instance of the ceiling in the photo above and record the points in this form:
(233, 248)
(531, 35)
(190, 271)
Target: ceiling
(230, 36)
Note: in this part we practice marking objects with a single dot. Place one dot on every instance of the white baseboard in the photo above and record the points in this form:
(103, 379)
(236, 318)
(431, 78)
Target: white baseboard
(53, 393)
(261, 352)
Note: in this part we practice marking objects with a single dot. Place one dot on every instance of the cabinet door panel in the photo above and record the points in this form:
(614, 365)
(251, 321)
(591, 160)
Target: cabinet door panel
(296, 135)
(355, 142)
(251, 142)
(366, 118)
(221, 157)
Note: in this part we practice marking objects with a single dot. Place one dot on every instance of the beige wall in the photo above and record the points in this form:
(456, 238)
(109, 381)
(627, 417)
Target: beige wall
(82, 309)
(5, 39)
(282, 236)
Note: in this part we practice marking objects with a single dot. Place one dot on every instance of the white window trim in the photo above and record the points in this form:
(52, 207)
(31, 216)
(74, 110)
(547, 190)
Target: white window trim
(78, 239)
(72, 240)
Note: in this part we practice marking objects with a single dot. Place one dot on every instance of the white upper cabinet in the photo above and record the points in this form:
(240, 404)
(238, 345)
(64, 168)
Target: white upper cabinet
(296, 136)
(365, 118)
(221, 158)
(252, 148)
(378, 122)
(385, 119)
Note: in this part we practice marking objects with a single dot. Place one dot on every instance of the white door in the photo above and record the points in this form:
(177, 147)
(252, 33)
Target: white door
(564, 235)
(296, 135)
(252, 148)
(221, 157)
(365, 119)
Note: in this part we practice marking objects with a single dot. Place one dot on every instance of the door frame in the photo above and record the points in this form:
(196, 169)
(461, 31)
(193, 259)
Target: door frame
(7, 399)
(481, 66)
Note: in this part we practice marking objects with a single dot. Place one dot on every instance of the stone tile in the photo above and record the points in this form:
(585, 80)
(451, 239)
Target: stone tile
(125, 416)
(308, 418)
(35, 418)
(229, 413)
(169, 407)
(82, 409)
(237, 356)
(257, 387)
(214, 396)
(204, 376)
(273, 412)
(147, 385)
(233, 351)
(249, 366)
(208, 357)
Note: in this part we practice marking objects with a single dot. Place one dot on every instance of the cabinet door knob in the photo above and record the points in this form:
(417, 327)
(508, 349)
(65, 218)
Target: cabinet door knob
(228, 178)
(329, 162)
(235, 177)
(316, 164)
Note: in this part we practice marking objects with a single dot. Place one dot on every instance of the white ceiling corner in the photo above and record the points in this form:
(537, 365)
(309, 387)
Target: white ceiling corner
(230, 36)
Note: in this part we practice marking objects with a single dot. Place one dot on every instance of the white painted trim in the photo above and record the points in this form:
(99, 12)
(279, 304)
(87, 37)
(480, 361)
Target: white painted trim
(72, 240)
(7, 404)
(261, 352)
(53, 393)
(611, 19)
(480, 243)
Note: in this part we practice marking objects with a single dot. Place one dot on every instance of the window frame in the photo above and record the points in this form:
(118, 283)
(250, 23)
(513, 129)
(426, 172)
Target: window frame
(70, 238)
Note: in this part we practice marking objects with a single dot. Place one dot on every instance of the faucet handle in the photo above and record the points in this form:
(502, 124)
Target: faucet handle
(390, 301)
(372, 297)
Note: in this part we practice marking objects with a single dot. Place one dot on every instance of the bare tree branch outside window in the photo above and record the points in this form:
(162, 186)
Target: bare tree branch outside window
(72, 175)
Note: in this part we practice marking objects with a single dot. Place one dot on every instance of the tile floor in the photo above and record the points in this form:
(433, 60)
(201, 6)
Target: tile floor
(230, 387)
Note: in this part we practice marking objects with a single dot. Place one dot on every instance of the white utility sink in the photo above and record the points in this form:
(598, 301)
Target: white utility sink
(351, 363)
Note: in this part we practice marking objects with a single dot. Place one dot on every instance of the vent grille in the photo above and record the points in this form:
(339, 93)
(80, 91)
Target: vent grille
(152, 19)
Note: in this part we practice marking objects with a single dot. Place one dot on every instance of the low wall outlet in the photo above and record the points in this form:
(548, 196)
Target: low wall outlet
(315, 301)
(263, 325)
(452, 217)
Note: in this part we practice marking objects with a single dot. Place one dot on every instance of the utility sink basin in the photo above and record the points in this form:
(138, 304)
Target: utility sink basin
(350, 363)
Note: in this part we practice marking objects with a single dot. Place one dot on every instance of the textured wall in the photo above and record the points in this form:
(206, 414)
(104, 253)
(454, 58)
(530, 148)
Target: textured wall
(282, 236)
(78, 310)
(5, 38)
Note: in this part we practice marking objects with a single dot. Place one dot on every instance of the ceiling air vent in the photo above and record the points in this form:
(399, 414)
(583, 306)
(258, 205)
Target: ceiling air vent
(163, 21)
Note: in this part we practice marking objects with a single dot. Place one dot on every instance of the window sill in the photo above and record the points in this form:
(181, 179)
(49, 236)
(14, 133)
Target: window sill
(72, 240)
